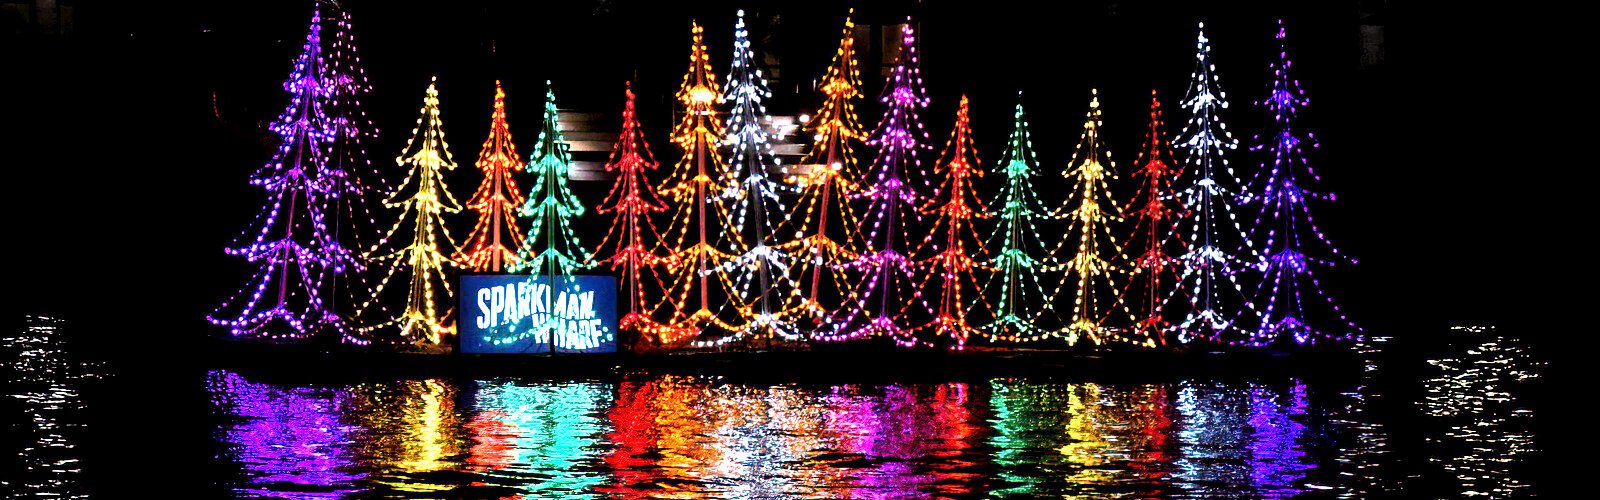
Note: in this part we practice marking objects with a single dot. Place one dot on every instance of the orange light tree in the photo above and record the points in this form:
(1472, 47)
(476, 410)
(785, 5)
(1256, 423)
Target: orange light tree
(629, 244)
(692, 290)
(828, 230)
(1089, 210)
(955, 244)
(1156, 211)
(495, 240)
(423, 198)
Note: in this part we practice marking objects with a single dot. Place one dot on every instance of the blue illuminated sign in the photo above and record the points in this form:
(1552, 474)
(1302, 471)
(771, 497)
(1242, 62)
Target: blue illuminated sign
(518, 313)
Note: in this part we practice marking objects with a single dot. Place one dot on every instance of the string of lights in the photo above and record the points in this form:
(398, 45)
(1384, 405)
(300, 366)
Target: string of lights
(493, 244)
(1090, 211)
(356, 198)
(1217, 247)
(828, 229)
(953, 242)
(1017, 246)
(423, 198)
(629, 244)
(826, 253)
(551, 249)
(886, 291)
(695, 294)
(289, 241)
(757, 275)
(1155, 210)
(1284, 226)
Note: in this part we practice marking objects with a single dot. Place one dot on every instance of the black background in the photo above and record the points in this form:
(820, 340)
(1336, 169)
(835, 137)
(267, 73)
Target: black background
(128, 141)
(125, 186)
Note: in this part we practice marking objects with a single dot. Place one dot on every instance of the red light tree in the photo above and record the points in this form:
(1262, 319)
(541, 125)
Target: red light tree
(957, 246)
(629, 244)
(496, 200)
(1156, 210)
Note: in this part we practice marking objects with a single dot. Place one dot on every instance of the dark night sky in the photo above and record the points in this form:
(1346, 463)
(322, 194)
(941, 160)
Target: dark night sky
(126, 188)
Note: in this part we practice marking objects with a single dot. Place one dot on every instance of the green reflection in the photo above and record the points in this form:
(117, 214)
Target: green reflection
(554, 431)
(1074, 437)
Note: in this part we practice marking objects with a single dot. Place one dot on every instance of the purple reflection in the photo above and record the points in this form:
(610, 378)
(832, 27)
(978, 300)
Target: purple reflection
(914, 444)
(1277, 459)
(1242, 441)
(288, 440)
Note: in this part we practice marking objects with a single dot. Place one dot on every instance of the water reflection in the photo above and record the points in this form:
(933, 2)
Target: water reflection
(44, 385)
(285, 439)
(677, 436)
(1080, 438)
(546, 440)
(1484, 426)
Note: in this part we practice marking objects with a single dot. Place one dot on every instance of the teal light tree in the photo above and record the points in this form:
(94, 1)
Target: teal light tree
(1013, 288)
(551, 250)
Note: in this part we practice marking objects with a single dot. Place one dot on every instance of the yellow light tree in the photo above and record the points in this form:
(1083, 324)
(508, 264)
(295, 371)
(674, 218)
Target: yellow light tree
(692, 289)
(1089, 210)
(829, 231)
(423, 198)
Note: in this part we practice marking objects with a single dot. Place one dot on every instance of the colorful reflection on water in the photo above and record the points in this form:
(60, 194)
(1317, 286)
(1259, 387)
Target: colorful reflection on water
(674, 436)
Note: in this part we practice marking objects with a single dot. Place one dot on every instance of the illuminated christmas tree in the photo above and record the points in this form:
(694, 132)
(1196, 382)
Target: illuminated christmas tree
(828, 231)
(423, 199)
(955, 245)
(1018, 297)
(887, 289)
(1209, 228)
(290, 242)
(1090, 211)
(494, 243)
(358, 187)
(1284, 226)
(758, 274)
(1155, 210)
(693, 289)
(550, 248)
(629, 244)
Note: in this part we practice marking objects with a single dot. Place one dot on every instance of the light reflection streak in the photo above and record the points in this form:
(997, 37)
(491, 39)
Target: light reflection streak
(670, 436)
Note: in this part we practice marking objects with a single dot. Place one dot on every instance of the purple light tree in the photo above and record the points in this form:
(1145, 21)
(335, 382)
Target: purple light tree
(886, 292)
(355, 200)
(290, 242)
(1284, 227)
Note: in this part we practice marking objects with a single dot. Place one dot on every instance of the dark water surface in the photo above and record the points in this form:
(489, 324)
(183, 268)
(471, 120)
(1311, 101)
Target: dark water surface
(1463, 428)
